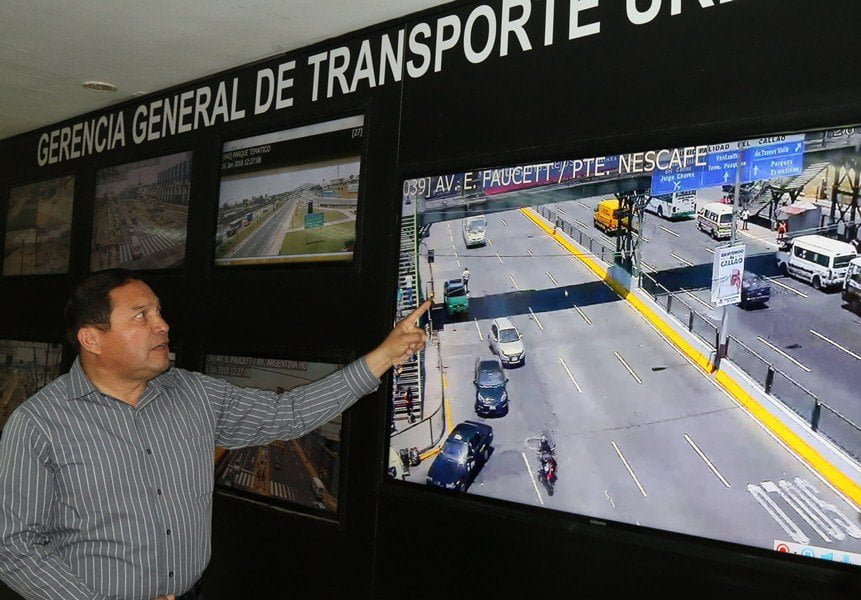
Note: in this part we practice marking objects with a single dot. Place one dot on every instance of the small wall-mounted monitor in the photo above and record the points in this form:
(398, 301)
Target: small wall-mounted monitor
(39, 227)
(290, 196)
(141, 214)
(303, 472)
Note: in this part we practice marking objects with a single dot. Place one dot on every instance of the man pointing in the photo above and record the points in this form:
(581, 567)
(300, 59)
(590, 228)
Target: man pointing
(106, 474)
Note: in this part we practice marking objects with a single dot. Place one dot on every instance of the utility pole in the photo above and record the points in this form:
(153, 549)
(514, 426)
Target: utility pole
(723, 335)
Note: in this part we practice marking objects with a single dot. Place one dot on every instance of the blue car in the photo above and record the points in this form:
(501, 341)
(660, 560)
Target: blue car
(464, 454)
(491, 397)
(754, 290)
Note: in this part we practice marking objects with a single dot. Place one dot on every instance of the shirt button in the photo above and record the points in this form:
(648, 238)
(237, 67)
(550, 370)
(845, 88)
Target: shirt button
(170, 574)
(148, 451)
(159, 492)
(168, 531)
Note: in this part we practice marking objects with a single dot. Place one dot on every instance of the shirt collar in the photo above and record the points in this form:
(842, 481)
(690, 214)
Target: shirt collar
(80, 385)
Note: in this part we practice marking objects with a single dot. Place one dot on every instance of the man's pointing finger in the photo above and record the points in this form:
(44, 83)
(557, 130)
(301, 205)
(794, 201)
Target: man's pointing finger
(414, 316)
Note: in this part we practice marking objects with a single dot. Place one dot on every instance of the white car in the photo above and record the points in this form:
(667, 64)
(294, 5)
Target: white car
(506, 342)
(474, 231)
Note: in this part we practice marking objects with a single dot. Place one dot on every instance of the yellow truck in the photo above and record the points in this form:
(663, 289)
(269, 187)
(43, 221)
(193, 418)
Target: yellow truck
(606, 217)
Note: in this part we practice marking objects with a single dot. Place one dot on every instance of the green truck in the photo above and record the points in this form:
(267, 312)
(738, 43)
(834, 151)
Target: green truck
(456, 297)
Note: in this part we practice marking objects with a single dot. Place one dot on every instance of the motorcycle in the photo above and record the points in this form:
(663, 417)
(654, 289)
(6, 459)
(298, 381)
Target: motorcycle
(548, 468)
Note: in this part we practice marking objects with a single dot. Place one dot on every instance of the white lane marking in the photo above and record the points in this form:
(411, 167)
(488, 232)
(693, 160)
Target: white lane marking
(782, 353)
(778, 515)
(536, 319)
(489, 241)
(451, 239)
(706, 460)
(459, 266)
(679, 258)
(560, 210)
(552, 278)
(630, 370)
(697, 298)
(836, 345)
(582, 314)
(478, 329)
(455, 251)
(585, 205)
(574, 381)
(647, 265)
(529, 252)
(532, 477)
(609, 499)
(514, 283)
(580, 223)
(786, 287)
(756, 237)
(630, 470)
(800, 509)
(503, 222)
(670, 231)
(499, 258)
(709, 250)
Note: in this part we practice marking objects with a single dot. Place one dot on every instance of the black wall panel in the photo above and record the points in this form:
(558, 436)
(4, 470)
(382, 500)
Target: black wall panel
(733, 70)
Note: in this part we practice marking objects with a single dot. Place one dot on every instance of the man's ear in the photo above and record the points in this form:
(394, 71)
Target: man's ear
(89, 339)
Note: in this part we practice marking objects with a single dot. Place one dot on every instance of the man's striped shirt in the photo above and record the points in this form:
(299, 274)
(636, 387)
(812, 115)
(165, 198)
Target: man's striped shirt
(100, 499)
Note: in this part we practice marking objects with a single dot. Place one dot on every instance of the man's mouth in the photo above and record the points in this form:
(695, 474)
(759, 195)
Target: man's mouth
(163, 346)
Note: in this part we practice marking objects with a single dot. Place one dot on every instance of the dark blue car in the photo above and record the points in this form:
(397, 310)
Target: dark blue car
(464, 454)
(754, 290)
(491, 397)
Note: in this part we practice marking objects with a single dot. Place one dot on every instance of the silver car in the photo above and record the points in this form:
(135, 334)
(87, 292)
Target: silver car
(506, 342)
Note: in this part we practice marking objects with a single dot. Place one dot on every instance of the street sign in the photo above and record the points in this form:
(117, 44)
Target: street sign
(313, 220)
(727, 274)
(677, 179)
(765, 158)
(782, 158)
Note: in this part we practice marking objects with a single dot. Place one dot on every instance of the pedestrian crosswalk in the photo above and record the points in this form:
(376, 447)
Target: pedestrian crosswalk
(276, 488)
(149, 245)
(279, 490)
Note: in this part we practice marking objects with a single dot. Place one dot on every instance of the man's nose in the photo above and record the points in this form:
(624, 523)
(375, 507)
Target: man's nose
(161, 325)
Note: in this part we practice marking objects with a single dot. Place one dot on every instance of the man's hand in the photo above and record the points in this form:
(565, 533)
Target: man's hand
(168, 597)
(405, 340)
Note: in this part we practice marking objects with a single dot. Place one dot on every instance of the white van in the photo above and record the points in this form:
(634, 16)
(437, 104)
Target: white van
(318, 488)
(816, 259)
(715, 218)
(474, 231)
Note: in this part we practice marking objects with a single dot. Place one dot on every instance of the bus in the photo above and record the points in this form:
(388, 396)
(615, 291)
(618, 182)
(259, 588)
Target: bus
(137, 249)
(673, 206)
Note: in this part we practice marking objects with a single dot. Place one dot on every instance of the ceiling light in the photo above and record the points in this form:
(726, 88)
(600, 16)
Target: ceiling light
(99, 86)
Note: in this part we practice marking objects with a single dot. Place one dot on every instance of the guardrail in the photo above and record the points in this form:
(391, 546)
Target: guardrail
(821, 417)
(681, 310)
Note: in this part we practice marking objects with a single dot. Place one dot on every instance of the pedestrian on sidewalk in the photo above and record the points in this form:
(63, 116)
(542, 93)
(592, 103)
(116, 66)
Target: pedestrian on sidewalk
(465, 278)
(745, 216)
(408, 402)
(782, 228)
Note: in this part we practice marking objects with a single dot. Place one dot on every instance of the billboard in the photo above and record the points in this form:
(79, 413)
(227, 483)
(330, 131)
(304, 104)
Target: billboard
(39, 227)
(290, 196)
(303, 472)
(141, 214)
(575, 326)
(25, 368)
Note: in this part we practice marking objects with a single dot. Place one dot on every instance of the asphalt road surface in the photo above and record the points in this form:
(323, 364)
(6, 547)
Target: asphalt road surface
(642, 435)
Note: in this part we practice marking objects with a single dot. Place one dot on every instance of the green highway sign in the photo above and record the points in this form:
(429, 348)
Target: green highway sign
(313, 220)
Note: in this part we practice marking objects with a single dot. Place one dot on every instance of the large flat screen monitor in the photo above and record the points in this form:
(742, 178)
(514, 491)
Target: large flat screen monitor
(666, 338)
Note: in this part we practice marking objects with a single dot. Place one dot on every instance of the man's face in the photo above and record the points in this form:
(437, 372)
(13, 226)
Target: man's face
(136, 345)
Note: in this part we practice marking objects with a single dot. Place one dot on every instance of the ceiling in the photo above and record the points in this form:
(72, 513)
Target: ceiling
(48, 48)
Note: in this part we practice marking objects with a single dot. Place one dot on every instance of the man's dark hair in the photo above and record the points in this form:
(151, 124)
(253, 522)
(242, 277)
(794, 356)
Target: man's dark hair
(90, 302)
